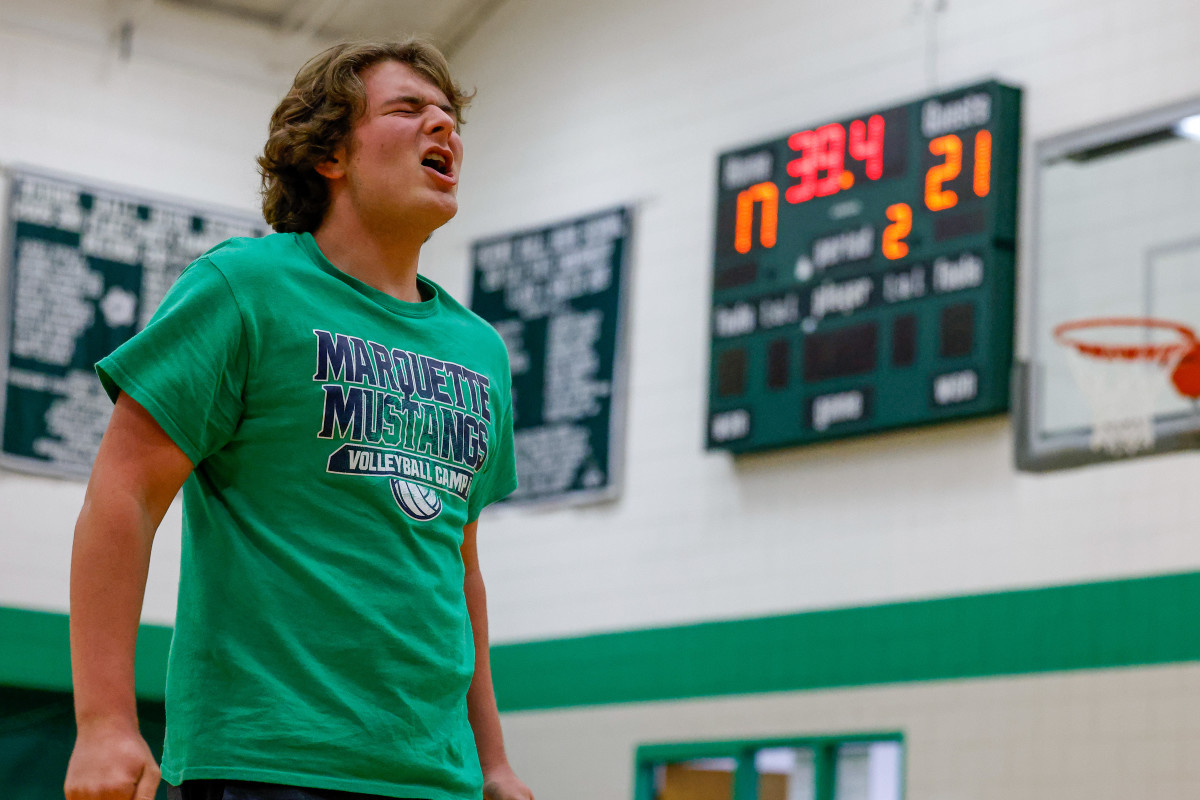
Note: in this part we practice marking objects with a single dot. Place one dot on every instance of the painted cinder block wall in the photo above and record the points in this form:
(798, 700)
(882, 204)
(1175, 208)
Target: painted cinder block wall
(183, 116)
(588, 105)
(585, 106)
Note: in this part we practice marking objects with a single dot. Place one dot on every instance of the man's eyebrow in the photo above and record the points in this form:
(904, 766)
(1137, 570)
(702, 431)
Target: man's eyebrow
(414, 100)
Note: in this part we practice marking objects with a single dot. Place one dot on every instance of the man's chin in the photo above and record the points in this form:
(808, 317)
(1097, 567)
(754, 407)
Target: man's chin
(438, 221)
(429, 214)
(443, 212)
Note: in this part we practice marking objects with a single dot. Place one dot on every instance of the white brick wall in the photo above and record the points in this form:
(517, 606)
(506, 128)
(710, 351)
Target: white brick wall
(585, 105)
(1103, 735)
(630, 102)
(184, 117)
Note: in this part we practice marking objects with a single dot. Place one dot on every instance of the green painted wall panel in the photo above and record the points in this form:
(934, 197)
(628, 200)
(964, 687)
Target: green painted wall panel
(1089, 626)
(1122, 623)
(35, 653)
(37, 734)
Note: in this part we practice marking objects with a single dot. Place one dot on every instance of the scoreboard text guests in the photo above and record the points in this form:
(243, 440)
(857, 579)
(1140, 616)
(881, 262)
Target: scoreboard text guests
(863, 273)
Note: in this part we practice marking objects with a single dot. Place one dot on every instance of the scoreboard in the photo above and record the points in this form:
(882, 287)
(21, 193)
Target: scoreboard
(863, 273)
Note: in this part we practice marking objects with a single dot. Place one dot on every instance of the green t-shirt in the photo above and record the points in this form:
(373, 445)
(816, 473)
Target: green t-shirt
(342, 439)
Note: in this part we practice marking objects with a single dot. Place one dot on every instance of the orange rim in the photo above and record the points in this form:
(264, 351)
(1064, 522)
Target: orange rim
(1129, 352)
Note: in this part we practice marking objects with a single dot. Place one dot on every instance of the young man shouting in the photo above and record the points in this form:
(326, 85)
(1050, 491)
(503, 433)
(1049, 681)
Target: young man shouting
(337, 423)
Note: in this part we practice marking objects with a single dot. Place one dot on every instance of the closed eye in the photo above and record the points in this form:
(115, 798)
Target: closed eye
(416, 105)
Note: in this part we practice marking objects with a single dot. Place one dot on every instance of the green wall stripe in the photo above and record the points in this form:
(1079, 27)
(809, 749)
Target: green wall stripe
(1090, 626)
(35, 653)
(1123, 623)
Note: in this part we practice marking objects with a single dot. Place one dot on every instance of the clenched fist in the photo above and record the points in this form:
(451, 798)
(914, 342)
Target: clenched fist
(503, 784)
(111, 762)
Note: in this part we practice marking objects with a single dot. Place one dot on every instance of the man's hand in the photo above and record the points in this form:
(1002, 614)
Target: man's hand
(503, 784)
(111, 763)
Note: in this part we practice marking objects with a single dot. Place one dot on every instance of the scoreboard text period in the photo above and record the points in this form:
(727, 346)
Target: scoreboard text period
(864, 273)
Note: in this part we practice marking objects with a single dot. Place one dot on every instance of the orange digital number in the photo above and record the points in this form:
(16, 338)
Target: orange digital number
(893, 235)
(766, 193)
(936, 198)
(983, 163)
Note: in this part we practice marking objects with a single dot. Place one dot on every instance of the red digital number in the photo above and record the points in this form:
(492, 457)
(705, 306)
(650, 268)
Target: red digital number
(832, 159)
(804, 167)
(866, 145)
(820, 150)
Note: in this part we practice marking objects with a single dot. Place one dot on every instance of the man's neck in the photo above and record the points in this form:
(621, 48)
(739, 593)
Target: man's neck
(385, 262)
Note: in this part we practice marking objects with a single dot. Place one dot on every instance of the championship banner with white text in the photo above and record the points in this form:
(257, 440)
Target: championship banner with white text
(86, 266)
(556, 296)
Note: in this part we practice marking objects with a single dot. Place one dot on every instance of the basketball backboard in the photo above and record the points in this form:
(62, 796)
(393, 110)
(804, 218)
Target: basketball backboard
(1112, 297)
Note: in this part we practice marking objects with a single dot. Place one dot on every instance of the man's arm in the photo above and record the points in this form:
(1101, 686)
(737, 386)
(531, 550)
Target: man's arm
(138, 471)
(499, 780)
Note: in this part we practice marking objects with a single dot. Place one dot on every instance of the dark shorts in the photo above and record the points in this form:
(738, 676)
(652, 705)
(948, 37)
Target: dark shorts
(252, 790)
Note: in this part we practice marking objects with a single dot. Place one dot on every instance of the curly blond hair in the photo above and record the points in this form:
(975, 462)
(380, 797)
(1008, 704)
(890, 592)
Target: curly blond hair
(317, 115)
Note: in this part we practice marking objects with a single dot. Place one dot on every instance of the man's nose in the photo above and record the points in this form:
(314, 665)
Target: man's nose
(438, 120)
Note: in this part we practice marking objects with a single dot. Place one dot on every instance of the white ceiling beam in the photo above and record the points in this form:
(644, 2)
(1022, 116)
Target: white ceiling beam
(304, 20)
(298, 40)
(471, 23)
(126, 14)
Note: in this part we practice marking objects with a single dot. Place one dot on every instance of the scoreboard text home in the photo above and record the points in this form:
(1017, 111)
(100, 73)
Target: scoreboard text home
(863, 273)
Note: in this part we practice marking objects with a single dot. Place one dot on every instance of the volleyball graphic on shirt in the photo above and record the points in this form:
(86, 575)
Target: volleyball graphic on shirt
(417, 501)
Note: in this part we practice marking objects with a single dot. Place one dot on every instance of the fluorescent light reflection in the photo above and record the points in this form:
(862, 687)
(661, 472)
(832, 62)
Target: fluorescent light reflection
(1189, 127)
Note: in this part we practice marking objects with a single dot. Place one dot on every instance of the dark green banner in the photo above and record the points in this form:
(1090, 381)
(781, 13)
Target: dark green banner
(555, 296)
(86, 266)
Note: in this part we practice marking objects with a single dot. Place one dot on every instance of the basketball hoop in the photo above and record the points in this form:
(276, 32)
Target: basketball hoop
(1123, 379)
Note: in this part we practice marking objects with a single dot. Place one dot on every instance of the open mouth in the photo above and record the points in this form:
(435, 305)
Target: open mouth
(436, 162)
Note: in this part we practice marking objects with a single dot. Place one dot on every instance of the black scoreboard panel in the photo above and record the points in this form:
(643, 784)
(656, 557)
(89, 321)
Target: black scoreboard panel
(864, 273)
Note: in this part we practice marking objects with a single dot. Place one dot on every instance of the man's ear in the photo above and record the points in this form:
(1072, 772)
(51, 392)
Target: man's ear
(333, 167)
